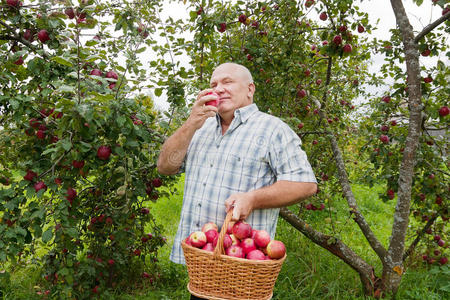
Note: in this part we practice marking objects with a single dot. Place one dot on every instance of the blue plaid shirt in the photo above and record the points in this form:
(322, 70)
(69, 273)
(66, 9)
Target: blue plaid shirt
(257, 150)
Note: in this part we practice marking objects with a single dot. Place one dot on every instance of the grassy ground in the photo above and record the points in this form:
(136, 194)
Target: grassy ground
(309, 271)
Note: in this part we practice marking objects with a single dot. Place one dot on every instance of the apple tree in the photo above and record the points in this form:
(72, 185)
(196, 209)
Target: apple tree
(79, 143)
(313, 72)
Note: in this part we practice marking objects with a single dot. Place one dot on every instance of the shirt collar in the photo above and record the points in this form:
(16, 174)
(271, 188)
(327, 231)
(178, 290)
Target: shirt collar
(242, 114)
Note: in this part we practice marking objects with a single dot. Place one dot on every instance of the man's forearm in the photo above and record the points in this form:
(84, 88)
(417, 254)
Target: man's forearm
(282, 193)
(174, 150)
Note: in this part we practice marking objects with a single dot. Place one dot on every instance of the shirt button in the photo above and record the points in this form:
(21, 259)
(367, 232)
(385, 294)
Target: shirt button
(217, 146)
(211, 165)
(198, 224)
(204, 183)
(200, 205)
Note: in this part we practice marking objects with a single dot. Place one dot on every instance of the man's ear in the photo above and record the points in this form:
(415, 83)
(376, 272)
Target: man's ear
(251, 90)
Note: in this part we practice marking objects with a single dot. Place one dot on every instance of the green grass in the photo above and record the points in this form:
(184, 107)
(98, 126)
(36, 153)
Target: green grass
(309, 271)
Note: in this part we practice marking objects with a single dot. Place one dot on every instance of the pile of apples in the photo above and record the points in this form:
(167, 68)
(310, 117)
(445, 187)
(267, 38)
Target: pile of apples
(240, 241)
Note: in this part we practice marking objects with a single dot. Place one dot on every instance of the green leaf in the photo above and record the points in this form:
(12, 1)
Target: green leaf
(158, 92)
(62, 61)
(66, 144)
(72, 232)
(47, 235)
(67, 88)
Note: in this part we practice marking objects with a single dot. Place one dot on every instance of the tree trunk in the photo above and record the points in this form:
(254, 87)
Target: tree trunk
(393, 265)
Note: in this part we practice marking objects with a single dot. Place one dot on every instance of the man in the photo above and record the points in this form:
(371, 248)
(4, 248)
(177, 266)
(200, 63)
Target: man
(235, 157)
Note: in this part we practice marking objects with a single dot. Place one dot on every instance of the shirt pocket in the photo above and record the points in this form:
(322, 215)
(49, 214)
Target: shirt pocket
(250, 166)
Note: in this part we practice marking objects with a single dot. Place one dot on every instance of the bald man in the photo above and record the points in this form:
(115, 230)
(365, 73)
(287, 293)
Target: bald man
(234, 158)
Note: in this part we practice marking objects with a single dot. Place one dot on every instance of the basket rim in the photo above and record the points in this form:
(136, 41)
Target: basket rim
(242, 260)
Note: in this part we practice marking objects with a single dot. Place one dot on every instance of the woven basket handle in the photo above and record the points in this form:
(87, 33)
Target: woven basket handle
(223, 231)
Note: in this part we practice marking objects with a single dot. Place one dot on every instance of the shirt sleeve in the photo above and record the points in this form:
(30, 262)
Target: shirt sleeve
(286, 157)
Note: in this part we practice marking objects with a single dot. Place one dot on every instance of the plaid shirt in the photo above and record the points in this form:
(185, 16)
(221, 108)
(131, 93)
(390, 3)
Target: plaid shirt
(257, 150)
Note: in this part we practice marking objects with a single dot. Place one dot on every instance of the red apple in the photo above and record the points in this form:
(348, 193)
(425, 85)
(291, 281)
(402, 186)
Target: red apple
(347, 48)
(262, 238)
(43, 36)
(30, 175)
(70, 12)
(222, 27)
(234, 240)
(361, 28)
(426, 52)
(441, 243)
(227, 241)
(39, 186)
(248, 245)
(242, 18)
(242, 230)
(256, 255)
(211, 235)
(275, 249)
(235, 251)
(214, 102)
(198, 239)
(444, 111)
(96, 72)
(71, 194)
(28, 35)
(112, 74)
(208, 247)
(40, 134)
(443, 260)
(210, 225)
(301, 93)
(78, 164)
(300, 126)
(391, 194)
(14, 3)
(323, 16)
(337, 39)
(386, 99)
(103, 152)
(384, 138)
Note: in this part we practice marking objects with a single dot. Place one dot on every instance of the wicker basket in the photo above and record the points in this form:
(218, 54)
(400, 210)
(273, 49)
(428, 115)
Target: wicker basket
(215, 276)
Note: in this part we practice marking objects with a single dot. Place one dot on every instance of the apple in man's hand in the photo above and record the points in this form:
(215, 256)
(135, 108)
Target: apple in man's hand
(214, 102)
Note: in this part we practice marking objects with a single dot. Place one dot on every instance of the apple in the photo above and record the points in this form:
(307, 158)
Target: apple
(211, 235)
(14, 3)
(323, 16)
(242, 230)
(256, 255)
(347, 48)
(145, 211)
(70, 12)
(428, 79)
(342, 28)
(112, 74)
(444, 111)
(34, 123)
(137, 252)
(441, 243)
(301, 93)
(40, 134)
(234, 240)
(276, 249)
(103, 152)
(384, 128)
(208, 247)
(337, 39)
(443, 260)
(111, 262)
(391, 194)
(19, 61)
(157, 182)
(300, 126)
(248, 245)
(426, 52)
(71, 194)
(39, 186)
(78, 164)
(262, 238)
(361, 28)
(386, 99)
(210, 226)
(235, 251)
(96, 72)
(242, 18)
(30, 175)
(309, 3)
(198, 239)
(222, 27)
(43, 36)
(384, 139)
(214, 102)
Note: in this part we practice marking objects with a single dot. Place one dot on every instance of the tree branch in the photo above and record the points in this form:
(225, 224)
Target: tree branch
(330, 243)
(419, 236)
(431, 26)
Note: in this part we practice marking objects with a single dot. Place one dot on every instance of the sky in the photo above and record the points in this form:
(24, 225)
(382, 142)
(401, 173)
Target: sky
(377, 9)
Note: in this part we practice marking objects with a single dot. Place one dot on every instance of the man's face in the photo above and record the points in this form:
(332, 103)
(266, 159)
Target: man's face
(233, 87)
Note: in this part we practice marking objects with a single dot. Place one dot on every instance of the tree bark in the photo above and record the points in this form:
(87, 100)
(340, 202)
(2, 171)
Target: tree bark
(393, 265)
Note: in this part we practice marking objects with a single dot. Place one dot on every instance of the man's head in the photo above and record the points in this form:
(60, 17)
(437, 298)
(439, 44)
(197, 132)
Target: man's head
(234, 84)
